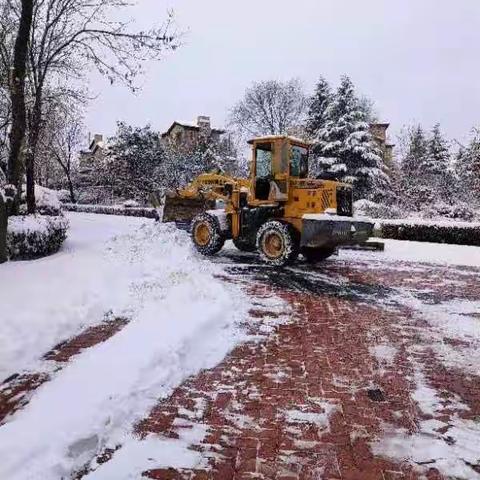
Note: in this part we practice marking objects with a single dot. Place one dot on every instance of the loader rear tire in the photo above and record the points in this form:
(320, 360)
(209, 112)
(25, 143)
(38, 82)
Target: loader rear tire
(206, 234)
(278, 243)
(244, 246)
(315, 255)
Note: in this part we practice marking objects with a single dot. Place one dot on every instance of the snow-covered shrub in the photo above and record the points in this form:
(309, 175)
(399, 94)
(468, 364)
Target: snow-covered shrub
(371, 209)
(131, 204)
(34, 236)
(112, 210)
(459, 211)
(46, 200)
(459, 233)
(63, 196)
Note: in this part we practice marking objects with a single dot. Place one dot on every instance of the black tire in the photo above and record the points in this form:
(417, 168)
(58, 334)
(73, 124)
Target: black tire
(278, 243)
(315, 255)
(207, 237)
(243, 245)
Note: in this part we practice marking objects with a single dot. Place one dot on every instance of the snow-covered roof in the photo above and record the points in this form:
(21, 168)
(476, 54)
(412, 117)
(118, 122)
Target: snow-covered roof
(190, 126)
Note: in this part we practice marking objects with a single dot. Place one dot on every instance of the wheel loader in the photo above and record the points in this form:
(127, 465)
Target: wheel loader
(278, 211)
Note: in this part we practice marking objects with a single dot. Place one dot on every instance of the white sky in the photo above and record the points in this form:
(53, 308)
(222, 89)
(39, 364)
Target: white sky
(417, 59)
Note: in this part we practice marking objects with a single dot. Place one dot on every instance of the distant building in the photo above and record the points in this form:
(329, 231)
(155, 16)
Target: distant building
(379, 133)
(95, 152)
(187, 135)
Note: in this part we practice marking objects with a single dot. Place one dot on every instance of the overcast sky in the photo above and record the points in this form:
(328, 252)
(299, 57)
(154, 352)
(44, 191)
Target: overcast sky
(419, 60)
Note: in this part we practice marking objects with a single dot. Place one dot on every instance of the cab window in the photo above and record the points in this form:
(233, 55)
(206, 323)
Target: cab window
(299, 162)
(263, 164)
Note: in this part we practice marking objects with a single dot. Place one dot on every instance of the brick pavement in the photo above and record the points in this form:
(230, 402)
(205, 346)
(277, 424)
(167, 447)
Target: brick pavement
(306, 402)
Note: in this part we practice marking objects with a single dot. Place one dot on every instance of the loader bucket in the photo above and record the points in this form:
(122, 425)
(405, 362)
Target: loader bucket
(183, 210)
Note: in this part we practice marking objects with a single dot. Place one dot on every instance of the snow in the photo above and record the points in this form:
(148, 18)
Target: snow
(449, 452)
(320, 420)
(66, 292)
(47, 199)
(432, 223)
(384, 353)
(424, 252)
(137, 455)
(182, 319)
(28, 223)
(333, 218)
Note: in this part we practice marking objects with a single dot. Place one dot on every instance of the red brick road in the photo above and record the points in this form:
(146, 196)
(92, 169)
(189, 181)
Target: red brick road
(305, 402)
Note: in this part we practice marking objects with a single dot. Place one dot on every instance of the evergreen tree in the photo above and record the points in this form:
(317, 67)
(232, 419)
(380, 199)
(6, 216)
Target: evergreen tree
(318, 104)
(437, 169)
(346, 147)
(438, 159)
(414, 187)
(468, 169)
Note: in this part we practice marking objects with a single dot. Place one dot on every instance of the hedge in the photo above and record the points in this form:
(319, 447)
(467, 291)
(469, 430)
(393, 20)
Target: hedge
(34, 236)
(459, 233)
(112, 210)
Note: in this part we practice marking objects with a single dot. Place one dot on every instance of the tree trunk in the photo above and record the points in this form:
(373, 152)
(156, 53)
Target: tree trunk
(17, 96)
(34, 134)
(70, 187)
(3, 230)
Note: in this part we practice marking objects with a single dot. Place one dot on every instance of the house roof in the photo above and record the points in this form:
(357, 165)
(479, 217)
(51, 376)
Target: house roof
(268, 138)
(189, 126)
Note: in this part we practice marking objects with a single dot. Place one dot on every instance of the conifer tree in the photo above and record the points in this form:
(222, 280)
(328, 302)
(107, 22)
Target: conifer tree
(345, 146)
(318, 104)
(468, 168)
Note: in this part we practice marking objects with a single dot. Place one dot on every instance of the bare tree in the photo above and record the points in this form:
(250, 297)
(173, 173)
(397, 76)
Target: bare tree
(270, 108)
(17, 95)
(68, 38)
(7, 36)
(62, 136)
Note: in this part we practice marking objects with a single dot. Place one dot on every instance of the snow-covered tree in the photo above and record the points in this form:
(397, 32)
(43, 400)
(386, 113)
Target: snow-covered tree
(346, 148)
(468, 169)
(438, 159)
(319, 102)
(132, 164)
(270, 108)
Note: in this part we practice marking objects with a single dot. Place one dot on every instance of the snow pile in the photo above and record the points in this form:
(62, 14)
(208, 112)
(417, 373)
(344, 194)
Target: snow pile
(32, 236)
(182, 320)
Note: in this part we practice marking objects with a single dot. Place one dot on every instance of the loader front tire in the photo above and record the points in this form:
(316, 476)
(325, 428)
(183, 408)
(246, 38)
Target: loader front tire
(278, 243)
(206, 234)
(315, 255)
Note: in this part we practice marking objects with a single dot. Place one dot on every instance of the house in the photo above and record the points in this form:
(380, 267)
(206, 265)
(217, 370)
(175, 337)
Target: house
(186, 135)
(95, 152)
(379, 133)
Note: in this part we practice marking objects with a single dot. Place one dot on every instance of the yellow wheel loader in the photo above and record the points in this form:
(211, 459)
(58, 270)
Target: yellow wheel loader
(278, 210)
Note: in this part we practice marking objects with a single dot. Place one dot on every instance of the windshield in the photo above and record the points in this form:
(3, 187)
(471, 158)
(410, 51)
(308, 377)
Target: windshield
(263, 160)
(299, 162)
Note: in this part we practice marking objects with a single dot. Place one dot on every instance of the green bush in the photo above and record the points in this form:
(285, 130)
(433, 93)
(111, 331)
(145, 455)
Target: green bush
(459, 233)
(34, 236)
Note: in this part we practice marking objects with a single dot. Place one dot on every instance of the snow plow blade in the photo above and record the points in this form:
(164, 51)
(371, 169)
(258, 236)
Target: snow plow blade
(321, 231)
(183, 210)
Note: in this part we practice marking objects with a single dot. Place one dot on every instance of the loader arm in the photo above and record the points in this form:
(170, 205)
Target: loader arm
(210, 186)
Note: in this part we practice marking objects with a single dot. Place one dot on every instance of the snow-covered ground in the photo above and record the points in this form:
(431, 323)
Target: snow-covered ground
(423, 252)
(182, 320)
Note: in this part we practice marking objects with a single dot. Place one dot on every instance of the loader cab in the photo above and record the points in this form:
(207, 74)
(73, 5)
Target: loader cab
(275, 160)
